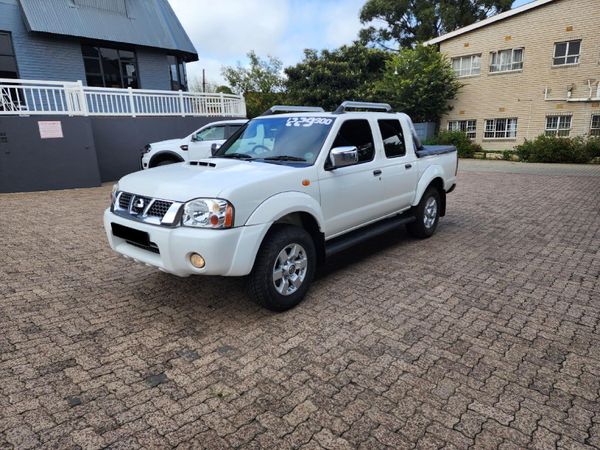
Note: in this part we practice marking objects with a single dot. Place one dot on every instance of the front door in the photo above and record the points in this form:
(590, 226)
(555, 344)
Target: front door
(352, 196)
(199, 147)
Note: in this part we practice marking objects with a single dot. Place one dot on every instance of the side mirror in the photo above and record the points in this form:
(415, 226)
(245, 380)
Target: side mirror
(343, 156)
(214, 148)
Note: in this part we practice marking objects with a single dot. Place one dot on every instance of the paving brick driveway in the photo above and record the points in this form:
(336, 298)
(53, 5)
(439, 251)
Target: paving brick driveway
(486, 335)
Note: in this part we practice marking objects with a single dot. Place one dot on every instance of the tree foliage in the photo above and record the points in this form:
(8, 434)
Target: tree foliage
(419, 82)
(329, 77)
(260, 75)
(407, 22)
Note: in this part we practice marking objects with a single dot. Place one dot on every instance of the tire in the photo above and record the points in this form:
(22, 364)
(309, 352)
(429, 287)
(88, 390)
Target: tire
(427, 214)
(279, 262)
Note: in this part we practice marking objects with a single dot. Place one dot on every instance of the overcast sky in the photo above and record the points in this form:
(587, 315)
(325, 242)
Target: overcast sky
(223, 31)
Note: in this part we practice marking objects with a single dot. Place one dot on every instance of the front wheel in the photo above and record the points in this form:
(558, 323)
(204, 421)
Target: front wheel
(284, 268)
(427, 215)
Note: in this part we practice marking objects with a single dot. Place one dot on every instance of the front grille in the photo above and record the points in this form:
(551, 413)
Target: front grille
(124, 200)
(159, 208)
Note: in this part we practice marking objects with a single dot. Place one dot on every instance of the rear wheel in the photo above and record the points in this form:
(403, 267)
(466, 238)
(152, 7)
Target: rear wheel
(427, 214)
(284, 268)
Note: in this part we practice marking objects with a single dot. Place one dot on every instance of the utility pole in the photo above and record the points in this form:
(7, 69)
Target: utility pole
(203, 80)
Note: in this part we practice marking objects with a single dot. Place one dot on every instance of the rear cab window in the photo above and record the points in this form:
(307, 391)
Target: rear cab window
(394, 144)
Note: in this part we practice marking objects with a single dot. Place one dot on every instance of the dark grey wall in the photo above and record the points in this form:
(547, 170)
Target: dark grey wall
(29, 163)
(119, 140)
(93, 149)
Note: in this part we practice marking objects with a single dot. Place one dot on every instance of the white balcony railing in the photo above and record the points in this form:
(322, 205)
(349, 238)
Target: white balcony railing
(32, 97)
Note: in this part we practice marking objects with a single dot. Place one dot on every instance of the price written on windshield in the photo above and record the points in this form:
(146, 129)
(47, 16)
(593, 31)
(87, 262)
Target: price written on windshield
(307, 121)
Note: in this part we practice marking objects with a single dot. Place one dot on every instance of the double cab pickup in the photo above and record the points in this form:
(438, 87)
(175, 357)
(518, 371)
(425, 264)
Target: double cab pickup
(285, 191)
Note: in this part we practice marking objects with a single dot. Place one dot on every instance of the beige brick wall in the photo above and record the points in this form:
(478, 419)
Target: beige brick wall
(521, 94)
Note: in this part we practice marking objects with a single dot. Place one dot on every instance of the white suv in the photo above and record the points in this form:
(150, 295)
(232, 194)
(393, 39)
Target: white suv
(193, 147)
(282, 194)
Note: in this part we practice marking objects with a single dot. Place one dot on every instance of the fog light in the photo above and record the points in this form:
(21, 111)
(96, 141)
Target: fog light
(197, 261)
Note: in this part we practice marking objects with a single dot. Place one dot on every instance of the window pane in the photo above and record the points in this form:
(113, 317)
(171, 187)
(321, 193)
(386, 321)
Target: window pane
(574, 47)
(560, 49)
(92, 66)
(5, 44)
(572, 59)
(596, 121)
(393, 139)
(559, 61)
(211, 134)
(126, 54)
(356, 133)
(8, 67)
(95, 80)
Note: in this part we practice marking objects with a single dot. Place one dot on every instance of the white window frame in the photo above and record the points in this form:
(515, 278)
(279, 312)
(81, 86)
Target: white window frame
(511, 66)
(468, 126)
(509, 132)
(558, 125)
(595, 125)
(467, 66)
(567, 56)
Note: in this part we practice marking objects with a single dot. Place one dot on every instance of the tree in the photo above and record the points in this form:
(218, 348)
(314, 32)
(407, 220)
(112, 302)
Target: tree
(262, 83)
(419, 82)
(261, 75)
(408, 22)
(332, 76)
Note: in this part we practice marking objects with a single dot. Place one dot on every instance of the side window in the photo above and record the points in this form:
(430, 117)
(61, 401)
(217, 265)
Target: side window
(393, 139)
(357, 133)
(211, 134)
(231, 129)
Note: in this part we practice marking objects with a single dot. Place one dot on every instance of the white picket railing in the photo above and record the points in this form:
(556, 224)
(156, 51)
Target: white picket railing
(33, 97)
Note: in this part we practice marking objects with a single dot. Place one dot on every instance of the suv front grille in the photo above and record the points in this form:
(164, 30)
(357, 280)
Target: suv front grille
(144, 209)
(159, 208)
(124, 200)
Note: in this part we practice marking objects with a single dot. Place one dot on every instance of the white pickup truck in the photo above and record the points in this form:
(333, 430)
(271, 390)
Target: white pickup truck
(193, 147)
(282, 194)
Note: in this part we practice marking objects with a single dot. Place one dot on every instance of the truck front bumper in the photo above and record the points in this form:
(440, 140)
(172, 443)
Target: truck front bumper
(226, 252)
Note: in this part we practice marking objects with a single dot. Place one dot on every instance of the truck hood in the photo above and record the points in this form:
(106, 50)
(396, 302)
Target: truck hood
(212, 178)
(167, 143)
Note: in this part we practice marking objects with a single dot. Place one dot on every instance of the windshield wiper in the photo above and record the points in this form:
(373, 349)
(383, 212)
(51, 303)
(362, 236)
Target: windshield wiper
(236, 156)
(284, 158)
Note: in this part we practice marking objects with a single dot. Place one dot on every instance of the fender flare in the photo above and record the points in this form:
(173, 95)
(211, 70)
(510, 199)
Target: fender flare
(430, 174)
(280, 205)
(164, 153)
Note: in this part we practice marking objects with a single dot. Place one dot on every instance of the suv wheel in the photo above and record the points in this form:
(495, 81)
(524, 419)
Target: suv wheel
(284, 268)
(427, 214)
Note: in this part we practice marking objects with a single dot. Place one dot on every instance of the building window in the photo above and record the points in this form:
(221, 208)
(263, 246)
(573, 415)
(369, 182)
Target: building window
(465, 66)
(566, 53)
(595, 126)
(8, 62)
(506, 60)
(469, 127)
(500, 128)
(110, 67)
(177, 73)
(558, 125)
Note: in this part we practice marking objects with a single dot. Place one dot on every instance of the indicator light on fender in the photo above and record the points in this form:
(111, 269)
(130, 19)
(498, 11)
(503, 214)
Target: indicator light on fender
(305, 182)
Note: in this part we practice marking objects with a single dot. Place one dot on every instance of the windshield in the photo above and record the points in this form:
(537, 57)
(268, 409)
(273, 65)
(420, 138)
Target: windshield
(279, 139)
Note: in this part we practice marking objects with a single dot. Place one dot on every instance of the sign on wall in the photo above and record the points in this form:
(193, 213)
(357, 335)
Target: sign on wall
(50, 129)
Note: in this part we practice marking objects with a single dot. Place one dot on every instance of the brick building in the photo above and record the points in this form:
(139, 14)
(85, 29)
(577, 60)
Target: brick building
(528, 71)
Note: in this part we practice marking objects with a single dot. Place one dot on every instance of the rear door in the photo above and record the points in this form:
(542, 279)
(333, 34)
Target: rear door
(398, 166)
(352, 196)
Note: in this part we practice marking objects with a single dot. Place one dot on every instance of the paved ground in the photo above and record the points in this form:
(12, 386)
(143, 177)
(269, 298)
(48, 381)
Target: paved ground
(486, 335)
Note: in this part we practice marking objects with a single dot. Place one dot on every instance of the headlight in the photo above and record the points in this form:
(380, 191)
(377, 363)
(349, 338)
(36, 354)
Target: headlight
(208, 213)
(113, 194)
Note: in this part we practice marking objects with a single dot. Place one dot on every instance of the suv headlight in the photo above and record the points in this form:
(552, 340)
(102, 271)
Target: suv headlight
(208, 213)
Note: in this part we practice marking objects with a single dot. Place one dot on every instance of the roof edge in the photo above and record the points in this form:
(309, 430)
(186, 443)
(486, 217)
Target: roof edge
(488, 21)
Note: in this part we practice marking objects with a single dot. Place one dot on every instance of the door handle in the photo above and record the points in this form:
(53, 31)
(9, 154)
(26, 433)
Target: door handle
(377, 172)
(407, 166)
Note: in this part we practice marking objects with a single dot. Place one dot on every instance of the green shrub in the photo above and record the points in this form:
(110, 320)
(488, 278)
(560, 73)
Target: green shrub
(507, 155)
(552, 149)
(593, 147)
(464, 146)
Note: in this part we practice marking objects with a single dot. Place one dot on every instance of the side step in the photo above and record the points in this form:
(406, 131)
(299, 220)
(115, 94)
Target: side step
(355, 237)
